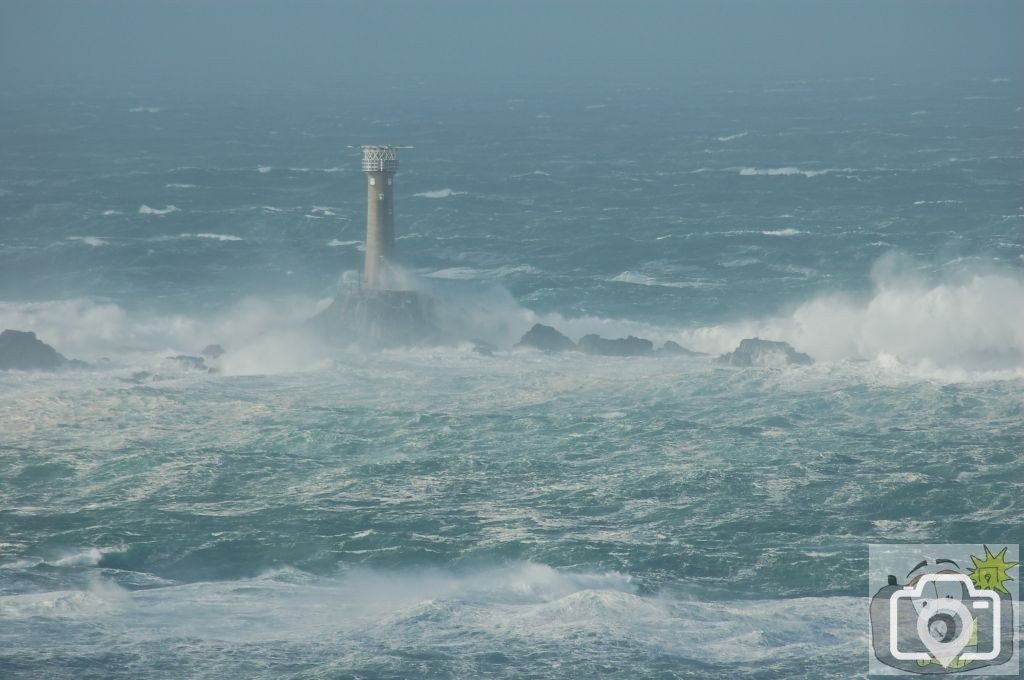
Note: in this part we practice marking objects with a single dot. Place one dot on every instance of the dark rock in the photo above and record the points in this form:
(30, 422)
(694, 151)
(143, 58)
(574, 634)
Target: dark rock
(757, 352)
(23, 351)
(484, 348)
(212, 351)
(190, 363)
(622, 347)
(671, 348)
(545, 338)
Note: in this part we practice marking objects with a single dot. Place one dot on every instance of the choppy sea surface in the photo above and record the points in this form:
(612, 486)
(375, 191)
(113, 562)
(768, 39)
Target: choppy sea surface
(313, 511)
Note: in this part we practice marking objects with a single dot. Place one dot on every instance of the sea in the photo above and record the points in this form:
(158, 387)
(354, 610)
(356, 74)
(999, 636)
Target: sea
(309, 509)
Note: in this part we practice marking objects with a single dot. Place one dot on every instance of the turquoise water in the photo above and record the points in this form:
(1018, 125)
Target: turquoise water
(312, 511)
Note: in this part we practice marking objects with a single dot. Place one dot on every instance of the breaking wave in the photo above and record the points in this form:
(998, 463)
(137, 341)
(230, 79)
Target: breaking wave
(782, 232)
(960, 322)
(522, 605)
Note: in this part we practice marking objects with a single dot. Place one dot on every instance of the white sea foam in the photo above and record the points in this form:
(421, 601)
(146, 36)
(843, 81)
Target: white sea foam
(145, 109)
(176, 185)
(263, 169)
(111, 212)
(729, 138)
(782, 232)
(517, 606)
(166, 210)
(335, 243)
(94, 241)
(440, 193)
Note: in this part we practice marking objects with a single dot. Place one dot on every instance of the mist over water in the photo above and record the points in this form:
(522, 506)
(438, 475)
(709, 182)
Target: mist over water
(313, 509)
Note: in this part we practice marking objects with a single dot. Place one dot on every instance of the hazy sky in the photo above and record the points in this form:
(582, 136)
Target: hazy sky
(131, 43)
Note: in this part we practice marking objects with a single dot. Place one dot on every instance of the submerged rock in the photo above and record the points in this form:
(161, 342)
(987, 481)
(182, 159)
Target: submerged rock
(212, 351)
(23, 351)
(190, 363)
(545, 338)
(622, 347)
(373, 319)
(757, 352)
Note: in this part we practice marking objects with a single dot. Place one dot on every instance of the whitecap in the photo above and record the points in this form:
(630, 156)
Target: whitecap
(469, 273)
(729, 138)
(94, 241)
(440, 193)
(787, 171)
(146, 210)
(263, 169)
(782, 232)
(213, 237)
(644, 280)
(335, 243)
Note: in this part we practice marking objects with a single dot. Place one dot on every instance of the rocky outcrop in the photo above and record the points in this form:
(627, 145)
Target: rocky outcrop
(757, 352)
(23, 351)
(546, 339)
(622, 347)
(675, 349)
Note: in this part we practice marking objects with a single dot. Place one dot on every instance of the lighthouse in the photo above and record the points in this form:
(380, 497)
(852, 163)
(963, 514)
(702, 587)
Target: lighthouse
(380, 163)
(384, 311)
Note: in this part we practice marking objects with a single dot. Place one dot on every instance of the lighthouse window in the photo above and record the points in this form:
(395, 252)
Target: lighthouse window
(380, 197)
(372, 181)
(389, 181)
